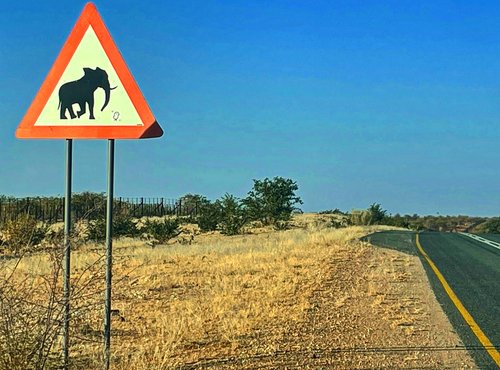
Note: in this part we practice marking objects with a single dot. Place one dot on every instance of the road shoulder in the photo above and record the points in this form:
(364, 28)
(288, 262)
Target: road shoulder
(373, 308)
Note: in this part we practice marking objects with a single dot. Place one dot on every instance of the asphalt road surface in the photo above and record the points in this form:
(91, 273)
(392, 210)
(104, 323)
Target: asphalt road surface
(471, 271)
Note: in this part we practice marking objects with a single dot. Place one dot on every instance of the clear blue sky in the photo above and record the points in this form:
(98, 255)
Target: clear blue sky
(395, 102)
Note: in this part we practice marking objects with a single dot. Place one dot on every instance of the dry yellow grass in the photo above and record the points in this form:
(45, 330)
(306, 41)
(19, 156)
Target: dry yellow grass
(219, 298)
(178, 304)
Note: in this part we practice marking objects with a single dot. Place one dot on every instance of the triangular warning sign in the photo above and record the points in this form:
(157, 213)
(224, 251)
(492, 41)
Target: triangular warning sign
(89, 93)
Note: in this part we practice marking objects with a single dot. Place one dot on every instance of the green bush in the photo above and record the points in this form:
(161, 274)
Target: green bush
(122, 226)
(97, 230)
(271, 201)
(125, 226)
(88, 205)
(209, 216)
(161, 230)
(232, 217)
(225, 214)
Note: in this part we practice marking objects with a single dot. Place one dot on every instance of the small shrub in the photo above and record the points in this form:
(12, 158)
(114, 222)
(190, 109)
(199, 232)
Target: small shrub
(339, 223)
(122, 226)
(232, 216)
(161, 230)
(89, 205)
(374, 215)
(125, 226)
(282, 225)
(23, 234)
(97, 230)
(187, 232)
(209, 216)
(32, 311)
(360, 218)
(81, 231)
(54, 234)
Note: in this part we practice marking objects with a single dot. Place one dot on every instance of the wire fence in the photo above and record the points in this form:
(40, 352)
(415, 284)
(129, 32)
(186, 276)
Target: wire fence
(92, 207)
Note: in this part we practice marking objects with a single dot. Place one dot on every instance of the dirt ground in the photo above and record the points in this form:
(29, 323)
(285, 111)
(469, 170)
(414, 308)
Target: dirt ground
(313, 297)
(373, 308)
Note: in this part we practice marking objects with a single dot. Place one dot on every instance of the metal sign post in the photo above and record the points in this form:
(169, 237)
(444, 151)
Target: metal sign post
(109, 253)
(67, 249)
(89, 51)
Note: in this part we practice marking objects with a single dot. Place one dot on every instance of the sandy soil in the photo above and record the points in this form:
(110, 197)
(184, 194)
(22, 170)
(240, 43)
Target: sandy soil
(313, 297)
(373, 308)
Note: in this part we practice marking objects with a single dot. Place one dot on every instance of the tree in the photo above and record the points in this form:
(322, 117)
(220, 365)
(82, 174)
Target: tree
(209, 215)
(377, 213)
(193, 202)
(271, 201)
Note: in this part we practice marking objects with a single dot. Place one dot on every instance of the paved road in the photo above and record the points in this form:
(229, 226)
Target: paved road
(472, 270)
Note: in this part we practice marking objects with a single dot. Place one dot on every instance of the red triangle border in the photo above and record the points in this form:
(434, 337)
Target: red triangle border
(150, 127)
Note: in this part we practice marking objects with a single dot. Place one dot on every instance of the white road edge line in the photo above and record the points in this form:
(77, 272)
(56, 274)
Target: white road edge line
(483, 240)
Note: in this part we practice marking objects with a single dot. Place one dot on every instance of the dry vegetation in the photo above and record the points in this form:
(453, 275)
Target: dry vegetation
(303, 298)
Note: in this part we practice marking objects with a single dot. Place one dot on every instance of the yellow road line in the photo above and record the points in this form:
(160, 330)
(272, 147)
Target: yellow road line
(463, 311)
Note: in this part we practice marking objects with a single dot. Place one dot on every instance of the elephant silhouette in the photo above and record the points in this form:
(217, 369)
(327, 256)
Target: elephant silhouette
(82, 92)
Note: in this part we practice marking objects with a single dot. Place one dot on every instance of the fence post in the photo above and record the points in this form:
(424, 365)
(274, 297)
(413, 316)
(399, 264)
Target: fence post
(62, 205)
(142, 207)
(42, 211)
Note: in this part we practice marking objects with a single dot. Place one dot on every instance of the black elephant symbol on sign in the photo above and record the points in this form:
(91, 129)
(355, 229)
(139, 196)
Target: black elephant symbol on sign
(82, 92)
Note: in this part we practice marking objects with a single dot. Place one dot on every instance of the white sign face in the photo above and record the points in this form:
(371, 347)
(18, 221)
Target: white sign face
(89, 92)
